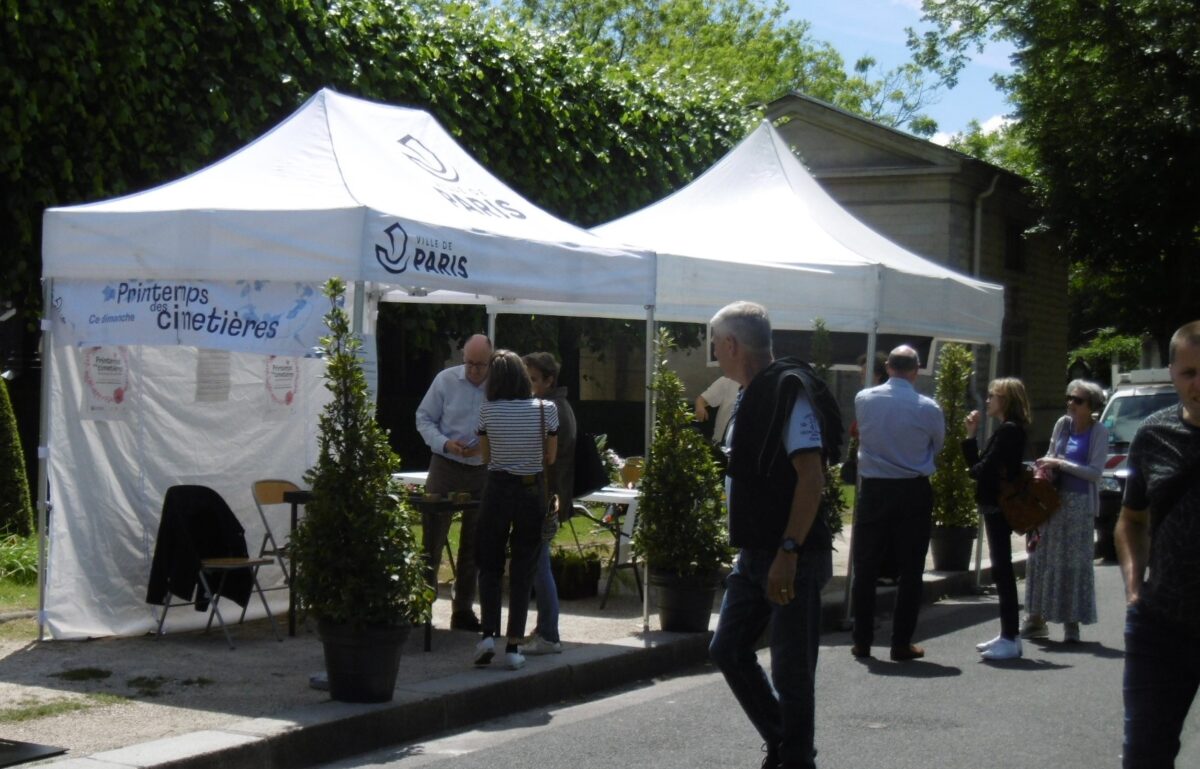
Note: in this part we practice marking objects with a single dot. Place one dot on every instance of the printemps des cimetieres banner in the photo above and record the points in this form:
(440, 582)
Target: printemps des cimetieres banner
(264, 317)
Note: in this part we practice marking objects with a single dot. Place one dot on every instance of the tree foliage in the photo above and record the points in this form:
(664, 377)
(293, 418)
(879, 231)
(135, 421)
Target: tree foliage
(103, 98)
(681, 521)
(748, 47)
(1103, 348)
(833, 502)
(357, 555)
(16, 508)
(953, 491)
(1004, 147)
(114, 97)
(1105, 91)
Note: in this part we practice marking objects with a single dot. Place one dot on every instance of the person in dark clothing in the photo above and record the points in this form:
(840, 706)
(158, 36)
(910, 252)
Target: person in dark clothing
(785, 426)
(1001, 459)
(1158, 528)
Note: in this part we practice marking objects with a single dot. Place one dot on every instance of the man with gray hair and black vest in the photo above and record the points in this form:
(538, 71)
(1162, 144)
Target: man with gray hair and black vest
(785, 427)
(900, 432)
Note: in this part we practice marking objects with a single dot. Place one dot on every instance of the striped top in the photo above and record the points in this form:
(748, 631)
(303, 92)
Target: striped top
(513, 430)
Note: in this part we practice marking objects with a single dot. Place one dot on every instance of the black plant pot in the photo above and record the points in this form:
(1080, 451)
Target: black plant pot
(362, 662)
(684, 602)
(951, 546)
(575, 578)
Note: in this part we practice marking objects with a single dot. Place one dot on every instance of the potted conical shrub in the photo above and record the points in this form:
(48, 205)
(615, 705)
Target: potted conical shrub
(955, 522)
(359, 568)
(680, 529)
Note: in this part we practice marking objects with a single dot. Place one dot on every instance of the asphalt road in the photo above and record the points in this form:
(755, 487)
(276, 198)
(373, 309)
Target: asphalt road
(1059, 706)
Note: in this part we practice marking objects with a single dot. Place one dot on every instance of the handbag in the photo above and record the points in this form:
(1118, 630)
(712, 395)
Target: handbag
(590, 474)
(1027, 501)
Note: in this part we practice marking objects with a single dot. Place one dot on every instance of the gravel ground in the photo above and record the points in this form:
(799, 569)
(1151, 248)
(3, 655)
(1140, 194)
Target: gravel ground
(159, 687)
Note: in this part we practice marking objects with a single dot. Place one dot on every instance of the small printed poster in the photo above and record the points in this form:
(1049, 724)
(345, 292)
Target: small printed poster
(282, 379)
(106, 383)
(212, 376)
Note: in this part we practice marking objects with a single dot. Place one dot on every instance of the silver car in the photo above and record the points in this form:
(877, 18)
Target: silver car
(1127, 407)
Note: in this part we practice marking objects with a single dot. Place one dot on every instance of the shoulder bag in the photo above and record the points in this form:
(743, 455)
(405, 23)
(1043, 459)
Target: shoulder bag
(1027, 501)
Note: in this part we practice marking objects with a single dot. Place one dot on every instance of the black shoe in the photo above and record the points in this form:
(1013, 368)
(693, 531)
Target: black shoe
(465, 620)
(771, 759)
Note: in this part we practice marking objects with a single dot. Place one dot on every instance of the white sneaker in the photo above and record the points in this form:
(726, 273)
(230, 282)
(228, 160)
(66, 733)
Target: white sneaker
(484, 651)
(539, 645)
(514, 660)
(987, 644)
(1003, 649)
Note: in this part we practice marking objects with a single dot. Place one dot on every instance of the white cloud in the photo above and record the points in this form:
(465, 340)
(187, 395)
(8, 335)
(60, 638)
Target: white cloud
(995, 123)
(941, 138)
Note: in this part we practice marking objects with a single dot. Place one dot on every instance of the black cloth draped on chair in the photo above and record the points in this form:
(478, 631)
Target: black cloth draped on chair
(196, 524)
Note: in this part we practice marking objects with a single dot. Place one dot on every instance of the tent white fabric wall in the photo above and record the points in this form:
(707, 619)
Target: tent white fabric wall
(343, 187)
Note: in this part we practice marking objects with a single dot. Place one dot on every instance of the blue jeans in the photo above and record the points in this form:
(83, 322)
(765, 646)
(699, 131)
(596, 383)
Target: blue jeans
(547, 596)
(784, 714)
(510, 515)
(1162, 672)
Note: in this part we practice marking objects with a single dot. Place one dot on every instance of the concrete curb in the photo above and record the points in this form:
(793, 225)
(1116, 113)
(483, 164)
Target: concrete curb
(332, 731)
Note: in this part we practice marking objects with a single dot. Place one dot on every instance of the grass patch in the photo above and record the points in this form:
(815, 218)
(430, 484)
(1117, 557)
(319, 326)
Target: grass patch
(18, 559)
(17, 596)
(590, 537)
(82, 674)
(31, 709)
(147, 686)
(18, 630)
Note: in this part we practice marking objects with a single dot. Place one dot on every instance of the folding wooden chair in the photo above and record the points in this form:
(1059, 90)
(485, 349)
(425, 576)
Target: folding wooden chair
(268, 493)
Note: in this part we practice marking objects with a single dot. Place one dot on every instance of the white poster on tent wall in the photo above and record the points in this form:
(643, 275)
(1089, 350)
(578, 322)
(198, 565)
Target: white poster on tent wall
(106, 382)
(281, 379)
(212, 376)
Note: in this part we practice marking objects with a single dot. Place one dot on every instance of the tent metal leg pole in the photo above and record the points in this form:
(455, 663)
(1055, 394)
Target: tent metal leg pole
(43, 453)
(992, 366)
(649, 415)
(868, 374)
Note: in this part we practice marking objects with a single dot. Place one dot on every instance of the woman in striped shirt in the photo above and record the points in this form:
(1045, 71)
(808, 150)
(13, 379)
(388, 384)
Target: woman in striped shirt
(518, 435)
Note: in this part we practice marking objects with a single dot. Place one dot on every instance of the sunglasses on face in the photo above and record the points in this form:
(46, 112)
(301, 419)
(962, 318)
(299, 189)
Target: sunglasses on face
(1075, 400)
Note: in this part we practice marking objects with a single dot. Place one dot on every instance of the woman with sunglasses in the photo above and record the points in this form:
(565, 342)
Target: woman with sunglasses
(1060, 584)
(1001, 458)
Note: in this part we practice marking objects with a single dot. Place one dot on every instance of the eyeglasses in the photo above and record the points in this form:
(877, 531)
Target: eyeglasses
(475, 366)
(1075, 400)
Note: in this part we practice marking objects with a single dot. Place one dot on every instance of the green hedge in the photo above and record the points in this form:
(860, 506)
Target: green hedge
(108, 98)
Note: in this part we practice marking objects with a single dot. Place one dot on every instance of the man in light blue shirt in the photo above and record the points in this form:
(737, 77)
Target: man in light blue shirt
(446, 419)
(900, 433)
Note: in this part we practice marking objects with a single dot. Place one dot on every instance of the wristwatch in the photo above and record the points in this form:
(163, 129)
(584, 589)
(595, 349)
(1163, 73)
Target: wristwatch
(789, 545)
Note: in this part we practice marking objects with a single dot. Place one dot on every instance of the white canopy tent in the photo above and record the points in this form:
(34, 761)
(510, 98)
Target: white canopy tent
(141, 291)
(758, 226)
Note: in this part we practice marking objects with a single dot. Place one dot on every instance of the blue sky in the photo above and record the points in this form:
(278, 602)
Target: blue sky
(876, 28)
